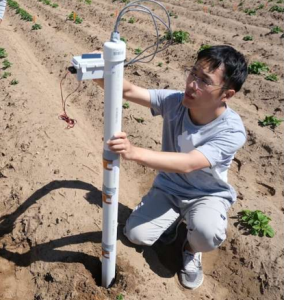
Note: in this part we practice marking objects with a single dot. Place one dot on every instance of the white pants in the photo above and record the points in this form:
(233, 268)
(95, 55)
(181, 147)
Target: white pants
(206, 219)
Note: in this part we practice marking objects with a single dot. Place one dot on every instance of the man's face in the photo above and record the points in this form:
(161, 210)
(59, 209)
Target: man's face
(204, 87)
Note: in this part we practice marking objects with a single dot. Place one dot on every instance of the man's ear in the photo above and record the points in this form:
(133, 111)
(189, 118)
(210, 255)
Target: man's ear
(228, 94)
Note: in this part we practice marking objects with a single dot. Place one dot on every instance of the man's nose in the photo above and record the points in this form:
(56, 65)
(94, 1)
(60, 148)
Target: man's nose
(194, 85)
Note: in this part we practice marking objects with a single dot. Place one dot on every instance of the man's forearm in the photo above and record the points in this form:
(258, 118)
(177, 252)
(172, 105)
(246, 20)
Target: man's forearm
(170, 161)
(132, 92)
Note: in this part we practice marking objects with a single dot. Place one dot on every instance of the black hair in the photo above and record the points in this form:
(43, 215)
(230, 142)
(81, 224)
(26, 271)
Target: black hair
(236, 70)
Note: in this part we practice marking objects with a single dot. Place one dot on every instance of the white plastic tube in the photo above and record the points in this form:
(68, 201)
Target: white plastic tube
(114, 56)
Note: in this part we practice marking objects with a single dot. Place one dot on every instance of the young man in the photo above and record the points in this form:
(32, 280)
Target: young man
(201, 135)
(2, 9)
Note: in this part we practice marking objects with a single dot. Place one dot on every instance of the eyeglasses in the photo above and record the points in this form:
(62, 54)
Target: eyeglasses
(201, 84)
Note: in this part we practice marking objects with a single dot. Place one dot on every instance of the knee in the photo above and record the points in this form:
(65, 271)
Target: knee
(205, 237)
(137, 235)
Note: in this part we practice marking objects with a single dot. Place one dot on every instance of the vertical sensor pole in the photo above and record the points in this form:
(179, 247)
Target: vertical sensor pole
(114, 56)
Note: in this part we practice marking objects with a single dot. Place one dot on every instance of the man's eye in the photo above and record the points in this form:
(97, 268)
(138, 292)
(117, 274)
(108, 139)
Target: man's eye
(206, 81)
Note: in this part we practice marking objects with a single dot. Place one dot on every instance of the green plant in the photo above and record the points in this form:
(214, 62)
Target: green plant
(199, 1)
(78, 20)
(172, 14)
(270, 121)
(126, 105)
(276, 8)
(204, 46)
(24, 15)
(123, 39)
(88, 2)
(6, 64)
(261, 6)
(256, 222)
(271, 77)
(248, 38)
(6, 74)
(179, 37)
(46, 2)
(250, 12)
(131, 20)
(123, 20)
(54, 5)
(160, 64)
(280, 2)
(276, 29)
(120, 297)
(13, 4)
(137, 51)
(36, 27)
(3, 53)
(139, 120)
(14, 82)
(257, 68)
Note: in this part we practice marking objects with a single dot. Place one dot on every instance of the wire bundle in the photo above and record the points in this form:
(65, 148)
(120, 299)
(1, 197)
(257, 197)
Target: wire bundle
(138, 7)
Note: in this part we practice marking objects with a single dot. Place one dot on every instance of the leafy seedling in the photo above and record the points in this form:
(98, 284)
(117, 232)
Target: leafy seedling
(261, 6)
(250, 12)
(123, 39)
(160, 64)
(123, 20)
(256, 223)
(3, 53)
(257, 68)
(88, 2)
(13, 4)
(6, 74)
(137, 51)
(46, 2)
(78, 20)
(126, 105)
(199, 1)
(36, 27)
(271, 77)
(14, 82)
(139, 120)
(276, 29)
(131, 20)
(6, 64)
(277, 8)
(54, 5)
(248, 38)
(178, 37)
(270, 121)
(203, 47)
(172, 14)
(120, 297)
(24, 15)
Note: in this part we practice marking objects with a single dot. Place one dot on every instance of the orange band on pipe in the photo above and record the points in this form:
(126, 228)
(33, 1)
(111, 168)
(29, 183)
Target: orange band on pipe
(106, 198)
(105, 254)
(106, 164)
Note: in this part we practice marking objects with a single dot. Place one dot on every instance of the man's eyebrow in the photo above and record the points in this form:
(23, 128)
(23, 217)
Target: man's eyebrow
(203, 74)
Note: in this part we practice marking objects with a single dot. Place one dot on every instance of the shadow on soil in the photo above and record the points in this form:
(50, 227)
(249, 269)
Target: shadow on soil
(169, 256)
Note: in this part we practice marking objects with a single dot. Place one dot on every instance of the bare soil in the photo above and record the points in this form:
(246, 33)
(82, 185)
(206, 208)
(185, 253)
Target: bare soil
(51, 178)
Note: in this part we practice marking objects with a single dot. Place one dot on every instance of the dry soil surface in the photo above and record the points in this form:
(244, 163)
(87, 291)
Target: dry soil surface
(51, 178)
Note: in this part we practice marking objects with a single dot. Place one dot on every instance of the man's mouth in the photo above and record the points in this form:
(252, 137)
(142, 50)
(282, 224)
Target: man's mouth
(188, 95)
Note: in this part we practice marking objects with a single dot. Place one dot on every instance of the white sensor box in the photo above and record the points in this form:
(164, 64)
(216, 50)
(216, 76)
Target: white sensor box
(89, 66)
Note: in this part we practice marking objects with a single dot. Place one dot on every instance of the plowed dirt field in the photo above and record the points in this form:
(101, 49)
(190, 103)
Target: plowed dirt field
(51, 178)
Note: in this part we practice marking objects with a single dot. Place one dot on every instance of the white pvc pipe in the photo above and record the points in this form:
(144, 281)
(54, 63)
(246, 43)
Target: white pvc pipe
(114, 56)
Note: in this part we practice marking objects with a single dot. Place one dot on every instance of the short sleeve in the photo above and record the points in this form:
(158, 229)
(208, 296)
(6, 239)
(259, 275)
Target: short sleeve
(221, 150)
(163, 101)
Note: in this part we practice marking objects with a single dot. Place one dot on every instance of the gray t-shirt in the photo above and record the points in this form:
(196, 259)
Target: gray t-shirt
(2, 8)
(218, 141)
